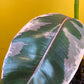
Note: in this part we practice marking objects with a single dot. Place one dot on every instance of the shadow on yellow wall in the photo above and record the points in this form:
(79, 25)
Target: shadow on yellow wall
(14, 14)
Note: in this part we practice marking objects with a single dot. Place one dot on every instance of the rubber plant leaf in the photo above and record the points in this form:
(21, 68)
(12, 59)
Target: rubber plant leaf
(48, 50)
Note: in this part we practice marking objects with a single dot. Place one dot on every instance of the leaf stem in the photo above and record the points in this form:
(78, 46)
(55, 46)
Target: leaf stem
(76, 9)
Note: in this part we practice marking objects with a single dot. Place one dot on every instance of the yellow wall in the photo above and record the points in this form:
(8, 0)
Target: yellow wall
(14, 14)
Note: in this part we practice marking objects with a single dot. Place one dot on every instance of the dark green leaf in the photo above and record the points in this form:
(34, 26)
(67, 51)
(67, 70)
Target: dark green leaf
(48, 50)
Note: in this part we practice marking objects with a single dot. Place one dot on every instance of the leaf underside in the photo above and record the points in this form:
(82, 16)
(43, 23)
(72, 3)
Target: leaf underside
(48, 50)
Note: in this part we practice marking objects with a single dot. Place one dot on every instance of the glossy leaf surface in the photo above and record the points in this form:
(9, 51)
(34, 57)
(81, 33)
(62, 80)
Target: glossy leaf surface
(48, 50)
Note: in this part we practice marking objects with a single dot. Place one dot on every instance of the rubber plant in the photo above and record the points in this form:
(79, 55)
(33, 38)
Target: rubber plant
(48, 50)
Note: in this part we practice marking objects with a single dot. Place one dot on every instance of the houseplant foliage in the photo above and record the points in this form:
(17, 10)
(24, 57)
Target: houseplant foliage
(48, 50)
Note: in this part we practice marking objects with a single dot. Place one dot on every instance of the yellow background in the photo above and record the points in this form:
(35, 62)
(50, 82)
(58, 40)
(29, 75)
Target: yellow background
(14, 14)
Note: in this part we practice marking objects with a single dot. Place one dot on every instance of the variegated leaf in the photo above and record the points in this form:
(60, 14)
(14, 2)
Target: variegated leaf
(48, 50)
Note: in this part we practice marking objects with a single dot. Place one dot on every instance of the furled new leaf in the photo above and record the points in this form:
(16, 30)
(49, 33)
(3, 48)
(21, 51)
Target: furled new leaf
(48, 50)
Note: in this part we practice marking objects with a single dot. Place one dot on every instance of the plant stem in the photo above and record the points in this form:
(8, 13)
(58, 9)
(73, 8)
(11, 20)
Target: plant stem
(76, 9)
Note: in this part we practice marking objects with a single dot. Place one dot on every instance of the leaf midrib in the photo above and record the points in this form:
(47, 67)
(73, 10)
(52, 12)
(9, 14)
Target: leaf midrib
(48, 48)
